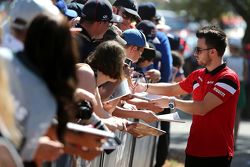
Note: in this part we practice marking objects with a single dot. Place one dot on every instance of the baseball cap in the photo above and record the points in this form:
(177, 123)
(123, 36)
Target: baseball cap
(76, 7)
(22, 12)
(61, 5)
(99, 10)
(149, 29)
(134, 37)
(129, 6)
(110, 34)
(147, 11)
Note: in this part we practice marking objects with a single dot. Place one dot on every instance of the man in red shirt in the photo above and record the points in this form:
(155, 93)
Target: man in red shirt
(215, 90)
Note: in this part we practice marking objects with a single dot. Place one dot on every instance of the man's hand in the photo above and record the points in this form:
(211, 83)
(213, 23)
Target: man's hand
(148, 116)
(115, 123)
(143, 104)
(153, 75)
(84, 153)
(162, 102)
(48, 150)
(87, 140)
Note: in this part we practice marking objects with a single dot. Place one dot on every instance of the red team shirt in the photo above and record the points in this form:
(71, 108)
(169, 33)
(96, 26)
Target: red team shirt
(212, 134)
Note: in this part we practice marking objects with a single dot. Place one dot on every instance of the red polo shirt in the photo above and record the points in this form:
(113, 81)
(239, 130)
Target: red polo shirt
(212, 134)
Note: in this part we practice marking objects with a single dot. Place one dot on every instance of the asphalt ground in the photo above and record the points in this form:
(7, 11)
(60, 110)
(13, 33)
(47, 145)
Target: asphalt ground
(179, 134)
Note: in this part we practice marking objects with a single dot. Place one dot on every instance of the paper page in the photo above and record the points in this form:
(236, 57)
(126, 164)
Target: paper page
(141, 129)
(147, 96)
(172, 117)
(120, 91)
(90, 130)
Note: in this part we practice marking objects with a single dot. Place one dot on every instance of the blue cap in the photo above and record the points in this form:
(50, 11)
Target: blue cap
(61, 5)
(134, 37)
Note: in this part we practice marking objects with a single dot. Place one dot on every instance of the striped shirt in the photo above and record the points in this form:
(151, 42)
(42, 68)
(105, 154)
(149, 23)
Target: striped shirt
(212, 134)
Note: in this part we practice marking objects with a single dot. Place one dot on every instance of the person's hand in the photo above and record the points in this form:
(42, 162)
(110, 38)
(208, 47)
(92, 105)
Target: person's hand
(129, 106)
(110, 105)
(46, 145)
(82, 94)
(148, 116)
(139, 87)
(84, 153)
(162, 102)
(150, 106)
(153, 75)
(115, 123)
(86, 140)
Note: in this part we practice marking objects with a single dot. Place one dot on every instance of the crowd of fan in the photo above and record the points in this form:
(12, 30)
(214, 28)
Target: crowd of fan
(60, 54)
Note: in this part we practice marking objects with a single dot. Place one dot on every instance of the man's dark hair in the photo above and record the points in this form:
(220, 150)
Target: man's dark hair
(214, 37)
(108, 58)
(177, 59)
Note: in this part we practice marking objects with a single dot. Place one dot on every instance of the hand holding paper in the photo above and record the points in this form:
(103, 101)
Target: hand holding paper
(140, 130)
(161, 102)
(172, 117)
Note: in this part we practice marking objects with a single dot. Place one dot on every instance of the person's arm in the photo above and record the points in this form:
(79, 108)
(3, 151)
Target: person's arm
(55, 149)
(191, 106)
(86, 80)
(146, 115)
(166, 89)
(143, 104)
(87, 146)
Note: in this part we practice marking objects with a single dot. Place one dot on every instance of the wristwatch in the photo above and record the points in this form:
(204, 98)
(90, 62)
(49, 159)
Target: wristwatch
(171, 104)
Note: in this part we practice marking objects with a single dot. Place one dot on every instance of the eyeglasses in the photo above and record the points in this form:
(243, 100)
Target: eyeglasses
(198, 50)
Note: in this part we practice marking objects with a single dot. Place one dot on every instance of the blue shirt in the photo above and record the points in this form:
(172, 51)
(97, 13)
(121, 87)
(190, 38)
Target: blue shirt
(166, 59)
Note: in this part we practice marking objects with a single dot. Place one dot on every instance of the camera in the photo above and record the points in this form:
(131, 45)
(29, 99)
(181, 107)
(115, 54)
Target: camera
(85, 110)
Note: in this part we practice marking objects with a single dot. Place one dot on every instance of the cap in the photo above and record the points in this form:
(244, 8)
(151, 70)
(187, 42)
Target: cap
(76, 7)
(134, 37)
(149, 29)
(99, 10)
(23, 12)
(147, 11)
(110, 34)
(64, 9)
(129, 6)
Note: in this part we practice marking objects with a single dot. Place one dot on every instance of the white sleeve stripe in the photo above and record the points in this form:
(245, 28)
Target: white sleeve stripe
(195, 86)
(226, 87)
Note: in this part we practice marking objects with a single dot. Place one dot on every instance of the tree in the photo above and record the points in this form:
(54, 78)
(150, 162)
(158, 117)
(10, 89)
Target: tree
(207, 9)
(242, 7)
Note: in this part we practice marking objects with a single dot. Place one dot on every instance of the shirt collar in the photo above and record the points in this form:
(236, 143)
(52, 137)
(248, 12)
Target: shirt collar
(216, 70)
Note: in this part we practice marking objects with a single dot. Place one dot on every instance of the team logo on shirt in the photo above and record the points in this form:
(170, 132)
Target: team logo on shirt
(210, 82)
(219, 92)
(224, 85)
(195, 85)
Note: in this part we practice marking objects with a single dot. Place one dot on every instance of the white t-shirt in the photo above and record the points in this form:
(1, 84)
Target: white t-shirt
(35, 106)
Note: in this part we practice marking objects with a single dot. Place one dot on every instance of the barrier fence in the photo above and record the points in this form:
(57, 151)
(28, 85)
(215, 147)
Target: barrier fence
(133, 152)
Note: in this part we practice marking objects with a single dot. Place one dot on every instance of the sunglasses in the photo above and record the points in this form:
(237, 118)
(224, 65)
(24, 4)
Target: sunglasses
(198, 50)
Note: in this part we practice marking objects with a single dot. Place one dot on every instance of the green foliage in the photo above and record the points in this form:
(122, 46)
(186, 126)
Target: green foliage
(199, 9)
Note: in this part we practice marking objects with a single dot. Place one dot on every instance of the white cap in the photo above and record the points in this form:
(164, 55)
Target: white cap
(22, 12)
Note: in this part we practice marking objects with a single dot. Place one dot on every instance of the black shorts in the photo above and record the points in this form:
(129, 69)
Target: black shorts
(193, 161)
